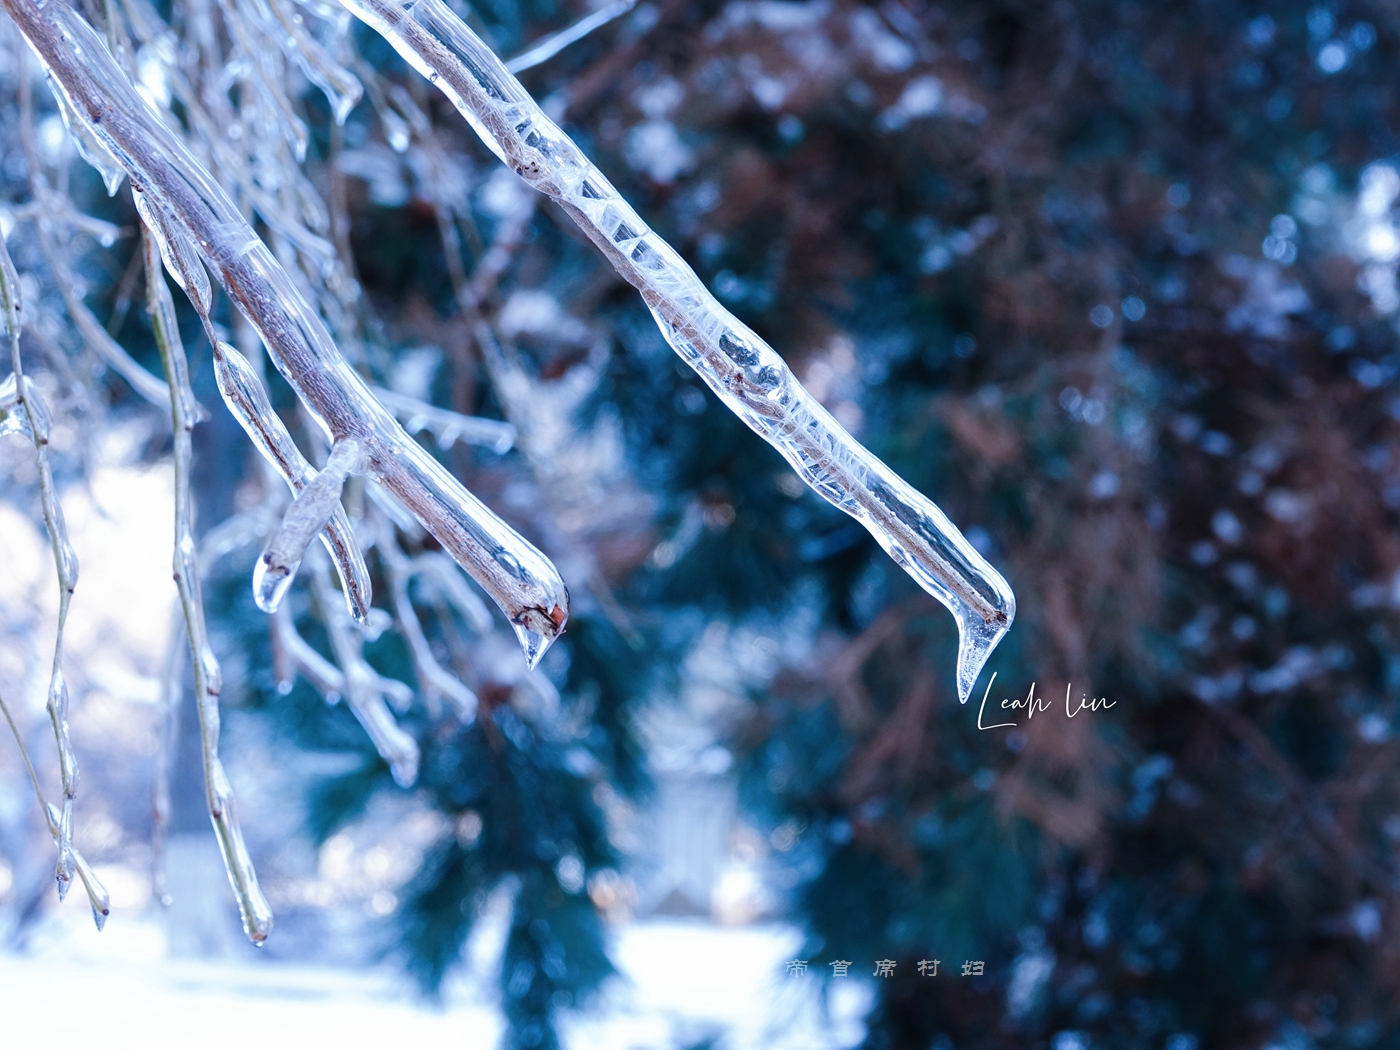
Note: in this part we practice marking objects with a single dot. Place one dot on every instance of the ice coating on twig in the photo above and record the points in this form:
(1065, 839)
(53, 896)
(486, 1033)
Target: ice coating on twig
(309, 513)
(96, 892)
(342, 88)
(433, 679)
(746, 373)
(446, 426)
(364, 689)
(518, 577)
(246, 398)
(293, 655)
(208, 677)
(444, 575)
(36, 423)
(94, 336)
(556, 42)
(167, 728)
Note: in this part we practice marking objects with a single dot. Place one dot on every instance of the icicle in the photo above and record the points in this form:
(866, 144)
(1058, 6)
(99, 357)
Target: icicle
(309, 513)
(747, 374)
(244, 394)
(208, 678)
(518, 577)
(446, 426)
(556, 42)
(179, 255)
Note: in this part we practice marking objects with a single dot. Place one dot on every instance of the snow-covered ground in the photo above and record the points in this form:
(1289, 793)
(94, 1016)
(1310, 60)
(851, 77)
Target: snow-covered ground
(683, 983)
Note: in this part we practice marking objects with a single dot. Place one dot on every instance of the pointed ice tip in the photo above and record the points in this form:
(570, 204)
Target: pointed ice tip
(537, 630)
(532, 643)
(99, 916)
(976, 641)
(270, 585)
(65, 883)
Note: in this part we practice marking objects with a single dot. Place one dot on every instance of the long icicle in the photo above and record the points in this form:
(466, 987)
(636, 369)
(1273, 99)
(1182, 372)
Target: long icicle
(744, 371)
(208, 678)
(521, 580)
(36, 415)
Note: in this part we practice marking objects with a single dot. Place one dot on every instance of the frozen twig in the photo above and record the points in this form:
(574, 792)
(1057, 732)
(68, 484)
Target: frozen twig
(246, 398)
(444, 576)
(293, 655)
(433, 680)
(96, 892)
(517, 576)
(746, 373)
(310, 512)
(208, 678)
(167, 731)
(447, 426)
(94, 336)
(36, 423)
(364, 689)
(551, 45)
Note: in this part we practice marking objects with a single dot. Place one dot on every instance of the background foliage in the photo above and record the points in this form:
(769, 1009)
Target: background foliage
(1100, 278)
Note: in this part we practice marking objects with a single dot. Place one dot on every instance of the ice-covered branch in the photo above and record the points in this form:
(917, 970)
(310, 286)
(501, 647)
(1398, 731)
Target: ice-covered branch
(433, 679)
(746, 373)
(36, 422)
(446, 426)
(364, 689)
(310, 512)
(96, 892)
(556, 42)
(94, 336)
(244, 394)
(102, 101)
(208, 678)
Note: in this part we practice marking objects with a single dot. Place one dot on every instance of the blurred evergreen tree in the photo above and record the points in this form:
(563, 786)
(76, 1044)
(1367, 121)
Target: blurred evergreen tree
(1080, 273)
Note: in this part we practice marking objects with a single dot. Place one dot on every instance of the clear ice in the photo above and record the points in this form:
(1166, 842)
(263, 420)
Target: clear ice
(208, 678)
(743, 371)
(99, 97)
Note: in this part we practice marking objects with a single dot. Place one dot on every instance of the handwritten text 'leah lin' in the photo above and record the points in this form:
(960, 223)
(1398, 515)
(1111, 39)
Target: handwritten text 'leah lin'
(1033, 704)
